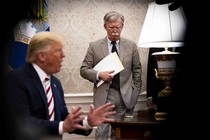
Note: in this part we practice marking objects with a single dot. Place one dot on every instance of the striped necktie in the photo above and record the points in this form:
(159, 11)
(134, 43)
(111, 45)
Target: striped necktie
(50, 100)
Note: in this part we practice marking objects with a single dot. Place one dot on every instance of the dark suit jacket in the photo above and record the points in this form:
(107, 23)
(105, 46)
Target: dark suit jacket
(28, 99)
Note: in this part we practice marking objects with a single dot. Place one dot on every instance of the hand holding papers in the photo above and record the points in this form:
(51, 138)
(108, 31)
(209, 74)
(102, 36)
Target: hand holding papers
(110, 62)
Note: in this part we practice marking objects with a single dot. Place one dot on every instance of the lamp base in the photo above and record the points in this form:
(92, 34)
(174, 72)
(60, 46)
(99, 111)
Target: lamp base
(161, 116)
(163, 107)
(166, 78)
(165, 92)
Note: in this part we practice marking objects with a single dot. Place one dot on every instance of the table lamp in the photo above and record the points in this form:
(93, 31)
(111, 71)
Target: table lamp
(163, 28)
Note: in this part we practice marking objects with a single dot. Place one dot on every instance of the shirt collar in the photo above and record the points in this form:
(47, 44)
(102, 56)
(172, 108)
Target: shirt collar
(109, 41)
(41, 73)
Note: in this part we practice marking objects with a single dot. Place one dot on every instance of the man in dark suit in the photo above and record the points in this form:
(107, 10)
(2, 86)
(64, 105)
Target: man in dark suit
(28, 98)
(125, 95)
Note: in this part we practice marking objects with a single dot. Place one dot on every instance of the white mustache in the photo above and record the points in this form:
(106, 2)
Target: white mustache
(115, 33)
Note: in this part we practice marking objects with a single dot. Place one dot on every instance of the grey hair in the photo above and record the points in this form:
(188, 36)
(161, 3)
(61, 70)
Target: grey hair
(42, 42)
(112, 16)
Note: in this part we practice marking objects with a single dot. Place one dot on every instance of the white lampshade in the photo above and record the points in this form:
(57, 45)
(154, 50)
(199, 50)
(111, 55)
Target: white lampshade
(163, 28)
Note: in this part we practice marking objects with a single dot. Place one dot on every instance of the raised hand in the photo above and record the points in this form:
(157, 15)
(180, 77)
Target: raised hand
(102, 114)
(72, 120)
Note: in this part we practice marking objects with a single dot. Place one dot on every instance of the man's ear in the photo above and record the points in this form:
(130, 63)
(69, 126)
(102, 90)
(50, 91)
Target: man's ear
(41, 56)
(105, 26)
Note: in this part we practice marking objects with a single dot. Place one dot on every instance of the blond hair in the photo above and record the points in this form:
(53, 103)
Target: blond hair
(41, 42)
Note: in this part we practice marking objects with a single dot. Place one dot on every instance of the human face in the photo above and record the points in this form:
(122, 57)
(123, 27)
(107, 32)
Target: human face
(114, 29)
(53, 59)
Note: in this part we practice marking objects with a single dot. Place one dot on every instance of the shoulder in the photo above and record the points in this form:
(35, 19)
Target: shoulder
(128, 43)
(55, 79)
(21, 75)
(97, 45)
(19, 72)
(125, 40)
(99, 41)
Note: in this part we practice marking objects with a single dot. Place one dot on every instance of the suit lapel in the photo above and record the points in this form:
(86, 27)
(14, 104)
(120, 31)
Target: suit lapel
(122, 49)
(38, 84)
(55, 92)
(104, 47)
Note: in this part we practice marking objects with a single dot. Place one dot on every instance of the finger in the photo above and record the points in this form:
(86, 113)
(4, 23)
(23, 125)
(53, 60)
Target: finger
(78, 126)
(78, 119)
(105, 108)
(72, 108)
(108, 107)
(109, 120)
(110, 113)
(76, 112)
(91, 108)
(110, 72)
(76, 109)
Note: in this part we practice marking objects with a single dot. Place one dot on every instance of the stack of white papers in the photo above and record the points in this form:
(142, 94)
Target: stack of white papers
(110, 62)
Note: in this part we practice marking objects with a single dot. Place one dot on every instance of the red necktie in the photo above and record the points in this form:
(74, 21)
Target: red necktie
(50, 99)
